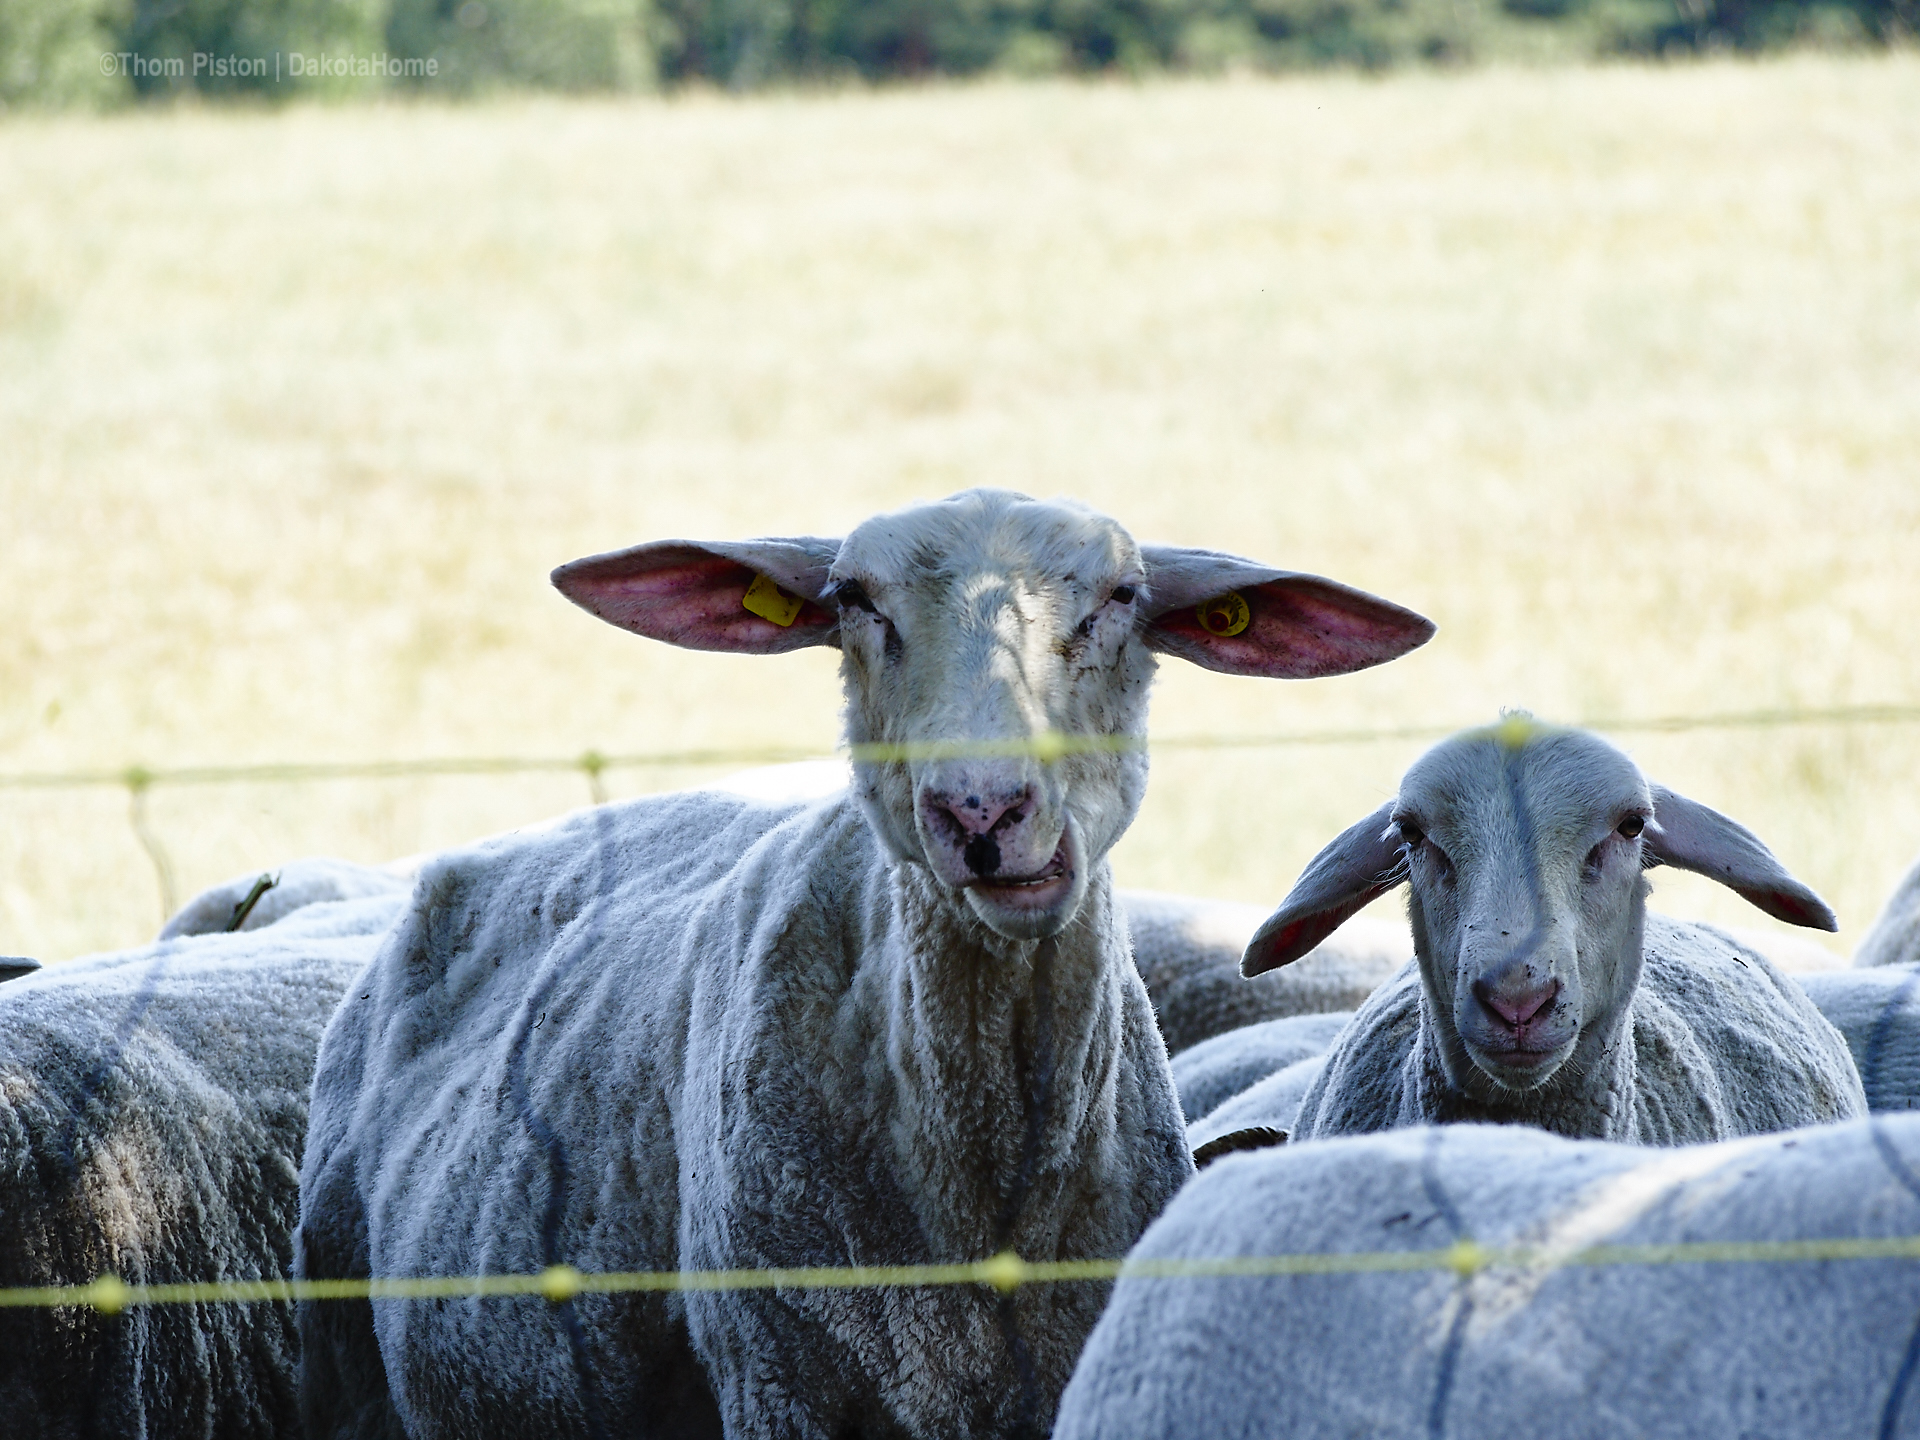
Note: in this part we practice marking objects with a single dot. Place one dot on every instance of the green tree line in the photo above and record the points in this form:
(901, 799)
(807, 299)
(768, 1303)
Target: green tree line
(60, 52)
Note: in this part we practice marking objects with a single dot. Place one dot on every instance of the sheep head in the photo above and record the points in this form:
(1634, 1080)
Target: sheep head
(974, 631)
(1524, 848)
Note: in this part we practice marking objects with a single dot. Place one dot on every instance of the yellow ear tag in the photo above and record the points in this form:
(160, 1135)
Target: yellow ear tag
(770, 602)
(1224, 614)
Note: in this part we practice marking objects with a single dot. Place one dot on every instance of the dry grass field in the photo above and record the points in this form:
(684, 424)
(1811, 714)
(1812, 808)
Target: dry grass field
(1613, 372)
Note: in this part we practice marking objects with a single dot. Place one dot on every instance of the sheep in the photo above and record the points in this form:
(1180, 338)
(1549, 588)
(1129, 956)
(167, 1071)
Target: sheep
(699, 1031)
(152, 1116)
(1214, 1071)
(1895, 936)
(1189, 952)
(1265, 1112)
(277, 894)
(1878, 1011)
(1541, 991)
(1530, 1345)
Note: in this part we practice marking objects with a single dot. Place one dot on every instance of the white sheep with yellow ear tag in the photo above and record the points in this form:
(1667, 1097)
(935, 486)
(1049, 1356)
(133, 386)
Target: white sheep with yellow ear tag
(1542, 992)
(897, 1025)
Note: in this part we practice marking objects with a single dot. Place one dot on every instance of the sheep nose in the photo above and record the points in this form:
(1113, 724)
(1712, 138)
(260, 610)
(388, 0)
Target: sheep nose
(975, 820)
(1513, 1004)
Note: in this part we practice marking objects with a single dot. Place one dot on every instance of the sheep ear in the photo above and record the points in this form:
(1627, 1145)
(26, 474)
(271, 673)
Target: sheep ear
(1688, 836)
(1229, 614)
(1355, 870)
(752, 597)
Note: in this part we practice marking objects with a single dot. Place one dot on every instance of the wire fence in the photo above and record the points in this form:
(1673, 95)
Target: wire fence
(594, 765)
(1004, 1272)
(559, 1283)
(1046, 747)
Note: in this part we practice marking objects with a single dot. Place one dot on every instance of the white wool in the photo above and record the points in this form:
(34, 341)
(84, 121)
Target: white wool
(1878, 1011)
(1214, 1071)
(900, 1024)
(153, 1107)
(1271, 1103)
(1189, 950)
(292, 887)
(1664, 1351)
(524, 957)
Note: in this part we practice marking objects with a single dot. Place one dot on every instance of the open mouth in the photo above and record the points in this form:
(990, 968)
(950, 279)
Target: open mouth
(1037, 889)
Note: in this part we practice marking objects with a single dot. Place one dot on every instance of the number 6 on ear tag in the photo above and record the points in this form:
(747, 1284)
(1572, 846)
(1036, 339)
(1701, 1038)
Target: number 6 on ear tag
(770, 602)
(1224, 614)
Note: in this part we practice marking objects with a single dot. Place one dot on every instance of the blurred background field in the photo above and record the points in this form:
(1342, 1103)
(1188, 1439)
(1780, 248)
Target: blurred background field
(111, 52)
(1613, 371)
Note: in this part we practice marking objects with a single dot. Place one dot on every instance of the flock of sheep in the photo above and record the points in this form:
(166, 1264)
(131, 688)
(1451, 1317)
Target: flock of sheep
(911, 1021)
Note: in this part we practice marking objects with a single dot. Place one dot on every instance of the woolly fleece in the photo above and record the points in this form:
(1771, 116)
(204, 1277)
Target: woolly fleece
(1676, 1351)
(153, 1104)
(1189, 952)
(587, 1046)
(1216, 1070)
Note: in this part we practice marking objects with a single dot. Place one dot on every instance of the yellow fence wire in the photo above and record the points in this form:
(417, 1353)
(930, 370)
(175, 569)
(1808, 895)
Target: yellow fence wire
(1004, 1272)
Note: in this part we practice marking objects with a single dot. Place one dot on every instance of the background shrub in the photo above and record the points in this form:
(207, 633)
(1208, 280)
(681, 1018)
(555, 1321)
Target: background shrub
(51, 50)
(545, 44)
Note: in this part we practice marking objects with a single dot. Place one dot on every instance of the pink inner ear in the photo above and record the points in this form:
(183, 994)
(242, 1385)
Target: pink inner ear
(691, 600)
(1284, 944)
(1301, 627)
(1796, 906)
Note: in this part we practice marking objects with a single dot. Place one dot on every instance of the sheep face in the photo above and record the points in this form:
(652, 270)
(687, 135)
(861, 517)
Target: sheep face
(971, 628)
(1523, 851)
(988, 621)
(1524, 846)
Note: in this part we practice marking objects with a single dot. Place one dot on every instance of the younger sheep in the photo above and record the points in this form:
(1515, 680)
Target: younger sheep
(699, 1032)
(153, 1105)
(1542, 993)
(1521, 1350)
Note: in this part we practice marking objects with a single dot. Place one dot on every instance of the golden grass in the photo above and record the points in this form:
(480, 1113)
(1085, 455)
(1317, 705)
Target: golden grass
(1614, 372)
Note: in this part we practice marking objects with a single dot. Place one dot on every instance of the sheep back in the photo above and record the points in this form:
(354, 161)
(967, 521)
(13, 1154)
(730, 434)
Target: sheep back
(1878, 1011)
(315, 881)
(1649, 1350)
(1269, 1104)
(153, 1106)
(1188, 951)
(1217, 1069)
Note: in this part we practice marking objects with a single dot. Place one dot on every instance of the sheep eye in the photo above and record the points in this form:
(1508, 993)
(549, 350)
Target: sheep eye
(1632, 825)
(1411, 833)
(851, 594)
(1122, 594)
